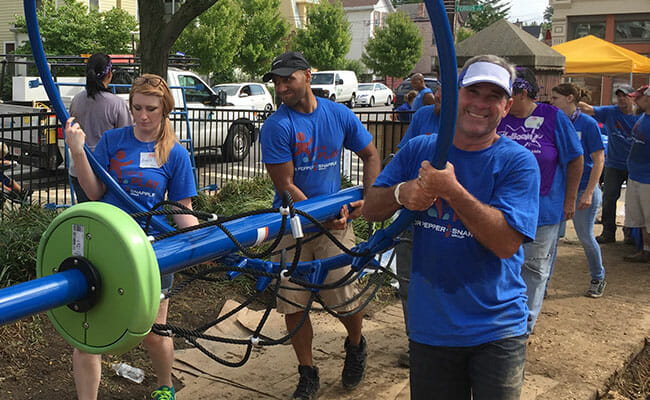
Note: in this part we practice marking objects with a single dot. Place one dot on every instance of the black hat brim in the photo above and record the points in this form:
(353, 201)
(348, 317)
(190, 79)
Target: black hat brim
(283, 72)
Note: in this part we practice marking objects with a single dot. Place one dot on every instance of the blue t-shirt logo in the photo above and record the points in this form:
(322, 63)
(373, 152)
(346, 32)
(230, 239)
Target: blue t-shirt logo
(302, 146)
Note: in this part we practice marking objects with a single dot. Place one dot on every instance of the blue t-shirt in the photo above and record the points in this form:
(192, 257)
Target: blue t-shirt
(589, 134)
(549, 134)
(403, 112)
(460, 293)
(133, 165)
(638, 163)
(425, 122)
(619, 131)
(313, 142)
(417, 102)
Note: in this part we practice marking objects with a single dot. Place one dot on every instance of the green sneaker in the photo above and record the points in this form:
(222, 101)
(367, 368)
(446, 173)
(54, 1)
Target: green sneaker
(164, 393)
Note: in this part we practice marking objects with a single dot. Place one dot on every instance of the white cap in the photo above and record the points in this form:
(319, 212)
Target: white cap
(483, 71)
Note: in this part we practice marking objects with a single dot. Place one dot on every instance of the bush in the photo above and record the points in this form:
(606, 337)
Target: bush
(20, 233)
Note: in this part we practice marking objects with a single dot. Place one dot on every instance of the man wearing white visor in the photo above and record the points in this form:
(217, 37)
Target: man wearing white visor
(467, 300)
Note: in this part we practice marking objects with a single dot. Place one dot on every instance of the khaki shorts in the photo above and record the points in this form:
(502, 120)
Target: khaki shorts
(316, 249)
(637, 205)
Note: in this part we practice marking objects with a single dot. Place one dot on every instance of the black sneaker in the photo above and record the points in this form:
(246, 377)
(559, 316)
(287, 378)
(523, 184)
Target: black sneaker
(355, 363)
(606, 237)
(308, 384)
(596, 288)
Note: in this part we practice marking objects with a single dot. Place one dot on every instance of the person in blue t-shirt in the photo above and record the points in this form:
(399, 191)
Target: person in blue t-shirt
(467, 299)
(549, 134)
(637, 193)
(403, 113)
(566, 96)
(301, 149)
(619, 120)
(148, 163)
(425, 95)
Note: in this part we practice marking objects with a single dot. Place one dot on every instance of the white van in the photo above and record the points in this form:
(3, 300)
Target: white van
(339, 86)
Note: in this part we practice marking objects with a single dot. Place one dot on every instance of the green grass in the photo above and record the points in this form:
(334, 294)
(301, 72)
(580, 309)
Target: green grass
(20, 233)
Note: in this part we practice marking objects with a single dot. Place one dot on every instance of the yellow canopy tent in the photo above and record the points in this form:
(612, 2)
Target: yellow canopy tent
(591, 55)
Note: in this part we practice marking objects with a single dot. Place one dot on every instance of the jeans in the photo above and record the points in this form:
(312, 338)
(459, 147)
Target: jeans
(583, 221)
(489, 371)
(404, 257)
(538, 263)
(614, 179)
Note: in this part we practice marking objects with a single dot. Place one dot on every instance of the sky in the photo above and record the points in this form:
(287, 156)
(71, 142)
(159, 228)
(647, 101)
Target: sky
(527, 10)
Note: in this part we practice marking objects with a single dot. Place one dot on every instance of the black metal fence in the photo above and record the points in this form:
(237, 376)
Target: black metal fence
(225, 146)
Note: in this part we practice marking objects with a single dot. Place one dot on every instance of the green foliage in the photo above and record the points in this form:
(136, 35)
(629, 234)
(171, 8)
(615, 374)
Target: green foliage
(236, 197)
(395, 49)
(70, 29)
(20, 233)
(264, 38)
(548, 15)
(214, 37)
(326, 39)
(463, 33)
(493, 11)
(356, 66)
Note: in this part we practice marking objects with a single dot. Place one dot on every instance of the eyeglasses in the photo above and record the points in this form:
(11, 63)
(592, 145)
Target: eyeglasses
(153, 81)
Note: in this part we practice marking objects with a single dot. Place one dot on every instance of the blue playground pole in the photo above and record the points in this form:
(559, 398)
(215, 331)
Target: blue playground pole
(53, 94)
(173, 254)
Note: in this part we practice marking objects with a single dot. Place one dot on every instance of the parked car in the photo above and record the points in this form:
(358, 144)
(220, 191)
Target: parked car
(338, 86)
(406, 87)
(370, 94)
(247, 95)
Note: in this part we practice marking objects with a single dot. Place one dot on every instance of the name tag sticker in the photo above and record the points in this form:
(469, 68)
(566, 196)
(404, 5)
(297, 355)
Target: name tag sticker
(534, 122)
(148, 160)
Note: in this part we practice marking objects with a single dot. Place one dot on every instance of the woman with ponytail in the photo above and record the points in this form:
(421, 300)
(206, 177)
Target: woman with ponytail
(150, 165)
(97, 110)
(566, 97)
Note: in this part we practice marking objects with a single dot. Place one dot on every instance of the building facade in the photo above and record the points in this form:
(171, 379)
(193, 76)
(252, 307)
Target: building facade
(364, 17)
(624, 23)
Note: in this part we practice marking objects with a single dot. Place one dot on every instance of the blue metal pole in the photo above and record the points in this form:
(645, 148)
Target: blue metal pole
(178, 252)
(173, 254)
(53, 94)
(41, 294)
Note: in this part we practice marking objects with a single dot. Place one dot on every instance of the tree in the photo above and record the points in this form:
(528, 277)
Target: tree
(264, 38)
(463, 33)
(159, 30)
(548, 16)
(214, 37)
(493, 11)
(396, 48)
(70, 29)
(325, 40)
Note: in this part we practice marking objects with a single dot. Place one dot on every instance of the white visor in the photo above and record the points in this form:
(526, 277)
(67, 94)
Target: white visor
(488, 72)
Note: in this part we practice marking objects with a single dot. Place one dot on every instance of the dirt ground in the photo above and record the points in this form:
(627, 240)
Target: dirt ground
(582, 348)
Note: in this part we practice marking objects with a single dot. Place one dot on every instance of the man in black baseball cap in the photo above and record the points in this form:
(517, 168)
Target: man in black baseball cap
(301, 149)
(286, 64)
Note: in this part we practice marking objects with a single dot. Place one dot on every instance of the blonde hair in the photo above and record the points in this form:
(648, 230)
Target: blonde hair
(5, 149)
(154, 85)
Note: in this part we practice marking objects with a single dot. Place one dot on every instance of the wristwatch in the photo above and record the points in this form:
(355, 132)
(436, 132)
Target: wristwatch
(396, 193)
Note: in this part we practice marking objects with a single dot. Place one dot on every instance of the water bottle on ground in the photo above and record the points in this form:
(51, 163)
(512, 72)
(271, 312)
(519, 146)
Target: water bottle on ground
(126, 371)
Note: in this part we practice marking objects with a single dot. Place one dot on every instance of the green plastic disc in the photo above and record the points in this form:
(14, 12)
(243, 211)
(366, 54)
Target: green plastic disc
(130, 278)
